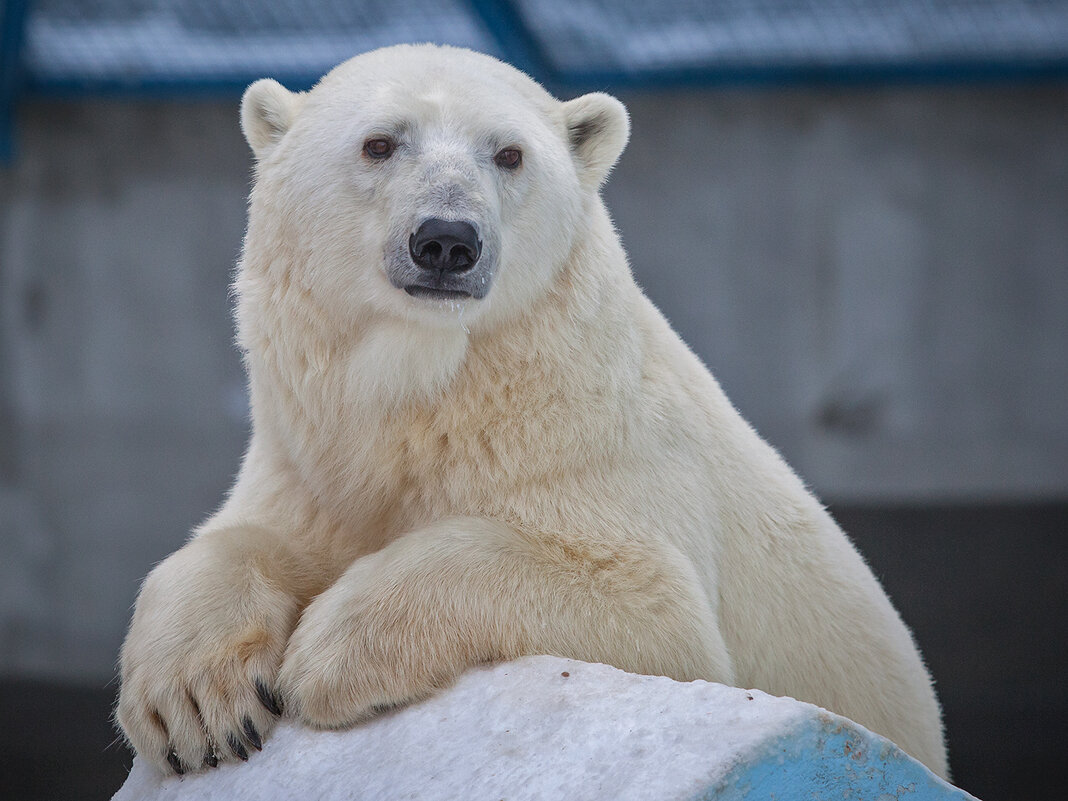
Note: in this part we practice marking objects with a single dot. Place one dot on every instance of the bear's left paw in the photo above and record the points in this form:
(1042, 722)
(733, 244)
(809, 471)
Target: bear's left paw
(351, 658)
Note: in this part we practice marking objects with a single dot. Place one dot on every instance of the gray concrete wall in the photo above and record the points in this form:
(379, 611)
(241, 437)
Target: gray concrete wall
(878, 278)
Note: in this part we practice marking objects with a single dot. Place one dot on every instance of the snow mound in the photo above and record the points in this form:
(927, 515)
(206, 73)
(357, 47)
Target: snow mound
(551, 728)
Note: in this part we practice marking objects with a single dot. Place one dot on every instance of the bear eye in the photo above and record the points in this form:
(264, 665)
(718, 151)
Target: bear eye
(509, 159)
(379, 147)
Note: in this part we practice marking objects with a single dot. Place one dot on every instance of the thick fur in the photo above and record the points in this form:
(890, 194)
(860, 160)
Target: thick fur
(433, 484)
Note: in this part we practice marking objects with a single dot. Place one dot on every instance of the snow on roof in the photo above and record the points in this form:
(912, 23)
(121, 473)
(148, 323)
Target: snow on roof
(148, 41)
(153, 41)
(602, 34)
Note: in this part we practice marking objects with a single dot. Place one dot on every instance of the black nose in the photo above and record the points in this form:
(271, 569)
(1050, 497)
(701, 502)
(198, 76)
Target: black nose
(445, 246)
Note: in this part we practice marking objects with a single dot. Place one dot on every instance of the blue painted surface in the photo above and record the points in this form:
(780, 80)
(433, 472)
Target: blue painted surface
(828, 757)
(899, 74)
(12, 25)
(520, 48)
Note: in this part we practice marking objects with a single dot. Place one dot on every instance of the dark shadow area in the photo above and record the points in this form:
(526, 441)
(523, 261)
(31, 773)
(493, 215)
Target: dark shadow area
(57, 743)
(983, 589)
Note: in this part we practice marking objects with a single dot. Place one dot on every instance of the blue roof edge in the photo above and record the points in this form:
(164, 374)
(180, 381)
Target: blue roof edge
(845, 74)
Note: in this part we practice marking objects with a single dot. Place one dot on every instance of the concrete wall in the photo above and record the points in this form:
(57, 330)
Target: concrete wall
(878, 278)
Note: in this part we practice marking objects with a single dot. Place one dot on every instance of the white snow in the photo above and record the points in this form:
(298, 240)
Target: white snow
(539, 728)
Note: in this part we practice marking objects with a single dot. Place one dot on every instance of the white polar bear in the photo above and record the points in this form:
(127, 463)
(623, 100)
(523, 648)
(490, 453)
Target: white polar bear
(474, 438)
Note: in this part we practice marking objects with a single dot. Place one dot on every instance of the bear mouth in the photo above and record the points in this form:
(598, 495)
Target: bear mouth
(436, 293)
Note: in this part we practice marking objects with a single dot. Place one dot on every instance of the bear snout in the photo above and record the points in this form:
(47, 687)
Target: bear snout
(445, 246)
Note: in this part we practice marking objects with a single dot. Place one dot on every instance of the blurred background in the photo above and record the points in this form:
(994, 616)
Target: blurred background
(855, 211)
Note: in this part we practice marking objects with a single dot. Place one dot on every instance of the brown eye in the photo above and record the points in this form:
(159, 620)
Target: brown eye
(379, 148)
(509, 158)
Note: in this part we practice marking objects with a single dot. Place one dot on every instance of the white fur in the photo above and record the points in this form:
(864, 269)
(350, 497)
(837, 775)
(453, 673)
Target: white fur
(435, 484)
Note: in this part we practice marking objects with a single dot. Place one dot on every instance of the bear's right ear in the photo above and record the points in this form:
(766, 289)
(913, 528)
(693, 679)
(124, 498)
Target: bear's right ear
(267, 111)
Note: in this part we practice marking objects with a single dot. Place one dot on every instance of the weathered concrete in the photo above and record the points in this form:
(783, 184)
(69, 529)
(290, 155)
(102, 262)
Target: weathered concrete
(122, 395)
(878, 278)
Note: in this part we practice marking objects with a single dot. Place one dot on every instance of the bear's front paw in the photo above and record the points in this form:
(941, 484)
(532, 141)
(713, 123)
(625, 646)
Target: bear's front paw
(353, 656)
(199, 664)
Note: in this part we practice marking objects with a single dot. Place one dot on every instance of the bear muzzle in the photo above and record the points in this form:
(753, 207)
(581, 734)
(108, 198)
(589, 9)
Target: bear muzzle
(445, 252)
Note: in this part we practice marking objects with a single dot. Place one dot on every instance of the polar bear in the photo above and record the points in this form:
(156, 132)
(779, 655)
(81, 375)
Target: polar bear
(474, 438)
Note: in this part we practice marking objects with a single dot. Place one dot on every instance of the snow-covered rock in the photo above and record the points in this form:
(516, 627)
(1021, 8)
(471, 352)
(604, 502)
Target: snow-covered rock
(550, 728)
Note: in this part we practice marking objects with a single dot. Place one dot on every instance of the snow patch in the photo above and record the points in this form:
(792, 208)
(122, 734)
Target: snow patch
(538, 728)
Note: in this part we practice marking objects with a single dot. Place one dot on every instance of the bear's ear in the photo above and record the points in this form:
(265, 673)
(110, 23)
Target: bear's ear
(267, 111)
(597, 130)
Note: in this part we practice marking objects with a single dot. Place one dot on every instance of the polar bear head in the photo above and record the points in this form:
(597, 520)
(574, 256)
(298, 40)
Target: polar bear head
(422, 181)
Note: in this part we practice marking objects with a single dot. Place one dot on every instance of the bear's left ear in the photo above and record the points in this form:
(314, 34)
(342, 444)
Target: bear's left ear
(597, 130)
(267, 111)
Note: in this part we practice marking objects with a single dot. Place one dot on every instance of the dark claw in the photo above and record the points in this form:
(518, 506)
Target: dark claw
(252, 734)
(211, 760)
(176, 763)
(267, 698)
(236, 747)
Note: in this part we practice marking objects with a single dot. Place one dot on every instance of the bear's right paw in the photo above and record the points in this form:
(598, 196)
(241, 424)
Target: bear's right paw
(199, 665)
